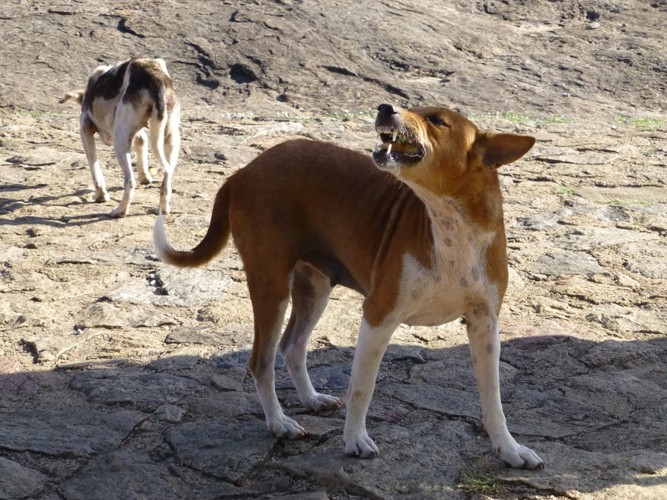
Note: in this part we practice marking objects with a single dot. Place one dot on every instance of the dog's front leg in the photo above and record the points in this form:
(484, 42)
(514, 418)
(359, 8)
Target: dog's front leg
(368, 355)
(88, 140)
(484, 339)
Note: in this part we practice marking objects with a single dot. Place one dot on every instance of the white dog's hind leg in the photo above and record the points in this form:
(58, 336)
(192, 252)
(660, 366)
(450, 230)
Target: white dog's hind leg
(158, 131)
(484, 340)
(172, 146)
(172, 139)
(368, 355)
(88, 140)
(310, 295)
(141, 147)
(124, 132)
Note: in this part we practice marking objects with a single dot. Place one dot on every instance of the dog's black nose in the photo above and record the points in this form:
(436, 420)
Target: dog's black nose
(386, 110)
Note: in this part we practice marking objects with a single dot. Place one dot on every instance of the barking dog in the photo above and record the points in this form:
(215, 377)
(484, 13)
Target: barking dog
(118, 103)
(424, 246)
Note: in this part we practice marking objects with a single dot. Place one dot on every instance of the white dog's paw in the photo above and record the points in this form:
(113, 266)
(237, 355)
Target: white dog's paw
(165, 207)
(101, 197)
(285, 427)
(145, 180)
(118, 213)
(520, 457)
(361, 446)
(322, 402)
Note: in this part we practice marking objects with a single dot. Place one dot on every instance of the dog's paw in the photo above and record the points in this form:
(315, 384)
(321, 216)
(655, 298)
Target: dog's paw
(520, 457)
(145, 181)
(101, 197)
(322, 402)
(286, 427)
(118, 213)
(362, 446)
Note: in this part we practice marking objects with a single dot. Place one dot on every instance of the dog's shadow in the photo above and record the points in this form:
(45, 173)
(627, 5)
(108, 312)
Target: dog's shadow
(592, 410)
(11, 205)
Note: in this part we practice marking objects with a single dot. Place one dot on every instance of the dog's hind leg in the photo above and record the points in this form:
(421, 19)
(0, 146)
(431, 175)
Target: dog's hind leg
(141, 147)
(269, 296)
(126, 125)
(165, 141)
(310, 295)
(484, 340)
(88, 139)
(172, 138)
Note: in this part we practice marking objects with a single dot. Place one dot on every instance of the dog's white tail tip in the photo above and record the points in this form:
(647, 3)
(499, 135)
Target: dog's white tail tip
(160, 242)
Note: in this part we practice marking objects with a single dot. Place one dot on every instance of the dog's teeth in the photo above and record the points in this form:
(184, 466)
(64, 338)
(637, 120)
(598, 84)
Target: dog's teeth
(389, 149)
(395, 136)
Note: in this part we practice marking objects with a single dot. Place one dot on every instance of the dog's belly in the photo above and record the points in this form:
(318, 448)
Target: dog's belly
(103, 114)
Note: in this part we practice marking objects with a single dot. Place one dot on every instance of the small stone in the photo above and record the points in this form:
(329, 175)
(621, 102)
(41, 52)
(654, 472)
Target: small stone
(169, 413)
(625, 280)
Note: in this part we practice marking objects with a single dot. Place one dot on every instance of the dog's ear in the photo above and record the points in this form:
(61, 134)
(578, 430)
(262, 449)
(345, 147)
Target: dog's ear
(75, 95)
(501, 149)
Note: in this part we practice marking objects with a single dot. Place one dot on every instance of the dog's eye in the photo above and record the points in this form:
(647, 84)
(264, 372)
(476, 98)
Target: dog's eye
(437, 121)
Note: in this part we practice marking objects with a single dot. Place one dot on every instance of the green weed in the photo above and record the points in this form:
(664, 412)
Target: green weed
(643, 123)
(481, 483)
(557, 119)
(564, 190)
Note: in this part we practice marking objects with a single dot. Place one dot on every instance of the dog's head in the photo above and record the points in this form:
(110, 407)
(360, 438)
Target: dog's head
(440, 148)
(77, 95)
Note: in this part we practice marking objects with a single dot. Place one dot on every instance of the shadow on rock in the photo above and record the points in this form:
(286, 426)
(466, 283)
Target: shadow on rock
(186, 426)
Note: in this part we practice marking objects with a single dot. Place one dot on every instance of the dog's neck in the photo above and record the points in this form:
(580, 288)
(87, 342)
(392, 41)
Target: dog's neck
(478, 196)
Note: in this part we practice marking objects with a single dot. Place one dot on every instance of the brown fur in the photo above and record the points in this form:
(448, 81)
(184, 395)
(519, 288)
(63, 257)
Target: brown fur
(307, 215)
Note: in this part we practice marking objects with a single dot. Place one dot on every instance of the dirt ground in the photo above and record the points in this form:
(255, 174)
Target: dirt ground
(123, 378)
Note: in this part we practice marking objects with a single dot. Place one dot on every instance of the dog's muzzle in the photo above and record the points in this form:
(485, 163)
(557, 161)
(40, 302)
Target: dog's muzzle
(399, 145)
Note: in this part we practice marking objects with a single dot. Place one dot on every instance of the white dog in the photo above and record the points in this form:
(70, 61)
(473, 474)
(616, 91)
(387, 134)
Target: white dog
(118, 103)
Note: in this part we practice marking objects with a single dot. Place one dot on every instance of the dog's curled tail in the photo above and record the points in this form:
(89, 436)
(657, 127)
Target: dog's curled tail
(214, 241)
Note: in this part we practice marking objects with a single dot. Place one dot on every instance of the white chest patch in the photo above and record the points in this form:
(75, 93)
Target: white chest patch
(437, 295)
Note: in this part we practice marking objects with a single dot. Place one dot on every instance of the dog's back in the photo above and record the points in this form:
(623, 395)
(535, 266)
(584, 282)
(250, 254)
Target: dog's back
(144, 84)
(118, 103)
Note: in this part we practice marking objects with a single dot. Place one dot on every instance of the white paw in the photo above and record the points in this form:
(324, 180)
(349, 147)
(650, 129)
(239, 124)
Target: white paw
(322, 402)
(520, 457)
(101, 197)
(285, 427)
(118, 213)
(145, 181)
(165, 207)
(361, 446)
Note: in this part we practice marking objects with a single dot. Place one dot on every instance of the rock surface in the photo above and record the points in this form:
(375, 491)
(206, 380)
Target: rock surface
(121, 377)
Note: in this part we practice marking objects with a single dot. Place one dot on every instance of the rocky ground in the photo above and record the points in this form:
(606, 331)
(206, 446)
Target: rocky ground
(123, 378)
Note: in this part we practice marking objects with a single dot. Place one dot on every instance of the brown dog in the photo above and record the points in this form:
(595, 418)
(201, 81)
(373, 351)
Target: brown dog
(118, 103)
(424, 246)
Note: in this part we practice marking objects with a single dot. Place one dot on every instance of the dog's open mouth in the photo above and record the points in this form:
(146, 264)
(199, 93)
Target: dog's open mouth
(399, 147)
